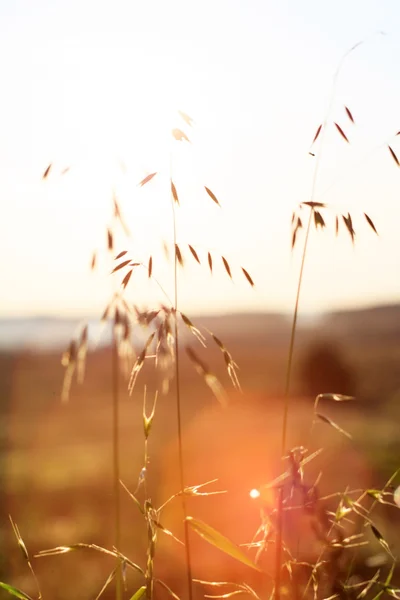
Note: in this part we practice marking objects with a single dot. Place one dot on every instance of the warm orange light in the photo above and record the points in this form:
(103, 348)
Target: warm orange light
(254, 494)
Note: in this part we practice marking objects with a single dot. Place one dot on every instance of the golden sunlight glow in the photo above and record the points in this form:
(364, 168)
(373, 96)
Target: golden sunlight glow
(254, 494)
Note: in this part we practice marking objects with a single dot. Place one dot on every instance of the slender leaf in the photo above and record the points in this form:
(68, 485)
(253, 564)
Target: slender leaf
(329, 421)
(13, 591)
(121, 254)
(139, 593)
(213, 537)
(150, 267)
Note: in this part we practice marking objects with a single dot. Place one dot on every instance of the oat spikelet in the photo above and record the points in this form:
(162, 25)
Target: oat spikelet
(126, 279)
(370, 223)
(396, 160)
(110, 241)
(193, 251)
(186, 118)
(179, 135)
(349, 114)
(147, 179)
(349, 226)
(174, 193)
(336, 225)
(121, 254)
(82, 353)
(209, 378)
(47, 171)
(342, 133)
(249, 279)
(178, 255)
(318, 220)
(150, 267)
(93, 261)
(227, 267)
(316, 134)
(121, 266)
(210, 262)
(212, 195)
(196, 332)
(139, 363)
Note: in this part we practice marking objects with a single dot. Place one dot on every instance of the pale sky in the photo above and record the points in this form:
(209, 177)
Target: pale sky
(88, 84)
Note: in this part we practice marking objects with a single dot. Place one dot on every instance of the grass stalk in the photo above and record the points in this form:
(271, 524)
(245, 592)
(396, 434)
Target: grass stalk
(293, 336)
(116, 460)
(178, 404)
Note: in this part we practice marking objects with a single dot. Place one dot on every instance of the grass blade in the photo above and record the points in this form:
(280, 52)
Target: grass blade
(139, 593)
(13, 591)
(329, 421)
(213, 537)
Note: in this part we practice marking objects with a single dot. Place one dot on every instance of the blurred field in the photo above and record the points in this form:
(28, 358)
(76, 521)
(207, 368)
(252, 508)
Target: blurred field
(56, 476)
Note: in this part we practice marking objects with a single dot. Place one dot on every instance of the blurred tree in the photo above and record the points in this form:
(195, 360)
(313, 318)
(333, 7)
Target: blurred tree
(323, 370)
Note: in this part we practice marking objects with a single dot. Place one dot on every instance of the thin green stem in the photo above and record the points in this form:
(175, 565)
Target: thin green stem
(292, 338)
(116, 461)
(178, 404)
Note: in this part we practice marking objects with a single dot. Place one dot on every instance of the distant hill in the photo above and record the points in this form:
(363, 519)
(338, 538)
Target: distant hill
(37, 333)
(383, 321)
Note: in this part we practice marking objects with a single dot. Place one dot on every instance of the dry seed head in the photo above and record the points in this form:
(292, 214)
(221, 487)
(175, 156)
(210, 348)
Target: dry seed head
(349, 114)
(150, 267)
(212, 195)
(147, 179)
(342, 133)
(318, 220)
(396, 160)
(47, 171)
(196, 332)
(126, 279)
(178, 255)
(174, 193)
(179, 135)
(210, 262)
(121, 266)
(193, 251)
(249, 279)
(186, 118)
(110, 241)
(370, 223)
(316, 134)
(93, 261)
(227, 267)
